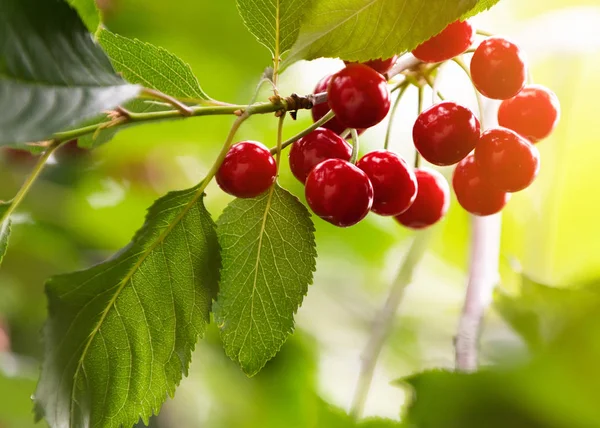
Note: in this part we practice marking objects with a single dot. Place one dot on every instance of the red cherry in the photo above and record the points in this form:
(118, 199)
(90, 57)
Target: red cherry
(247, 171)
(507, 160)
(474, 192)
(339, 192)
(316, 147)
(320, 110)
(498, 68)
(445, 133)
(359, 96)
(452, 41)
(394, 183)
(379, 65)
(432, 202)
(533, 113)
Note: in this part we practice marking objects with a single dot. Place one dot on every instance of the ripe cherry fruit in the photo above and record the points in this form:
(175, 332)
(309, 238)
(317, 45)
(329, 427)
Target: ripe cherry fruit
(359, 96)
(498, 68)
(445, 133)
(432, 202)
(533, 113)
(339, 192)
(316, 147)
(452, 41)
(320, 110)
(507, 160)
(247, 171)
(379, 65)
(475, 193)
(394, 183)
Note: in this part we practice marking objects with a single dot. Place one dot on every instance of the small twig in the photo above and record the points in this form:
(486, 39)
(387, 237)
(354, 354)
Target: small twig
(384, 320)
(183, 109)
(405, 62)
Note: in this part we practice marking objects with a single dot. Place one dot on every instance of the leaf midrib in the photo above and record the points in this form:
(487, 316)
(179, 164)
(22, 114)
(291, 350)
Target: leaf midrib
(124, 282)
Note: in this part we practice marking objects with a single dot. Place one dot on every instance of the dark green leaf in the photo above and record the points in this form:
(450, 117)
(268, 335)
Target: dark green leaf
(275, 23)
(359, 30)
(120, 334)
(88, 11)
(52, 73)
(268, 250)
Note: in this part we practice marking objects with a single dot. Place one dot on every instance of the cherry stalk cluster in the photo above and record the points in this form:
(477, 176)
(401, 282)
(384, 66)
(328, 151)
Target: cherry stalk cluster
(342, 189)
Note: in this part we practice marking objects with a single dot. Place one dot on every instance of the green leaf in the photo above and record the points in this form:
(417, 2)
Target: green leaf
(482, 6)
(360, 30)
(269, 256)
(4, 230)
(120, 334)
(151, 66)
(88, 12)
(541, 312)
(52, 73)
(274, 23)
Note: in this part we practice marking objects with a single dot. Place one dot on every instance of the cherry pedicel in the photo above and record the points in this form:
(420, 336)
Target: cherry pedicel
(359, 96)
(507, 160)
(498, 68)
(452, 41)
(316, 147)
(379, 65)
(394, 183)
(445, 133)
(247, 171)
(432, 202)
(533, 113)
(339, 192)
(475, 193)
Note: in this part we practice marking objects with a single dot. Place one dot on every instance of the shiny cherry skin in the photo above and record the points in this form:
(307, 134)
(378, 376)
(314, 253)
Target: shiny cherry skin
(446, 133)
(533, 113)
(316, 147)
(322, 109)
(474, 192)
(498, 68)
(247, 171)
(359, 96)
(452, 41)
(379, 65)
(394, 183)
(507, 160)
(339, 192)
(432, 202)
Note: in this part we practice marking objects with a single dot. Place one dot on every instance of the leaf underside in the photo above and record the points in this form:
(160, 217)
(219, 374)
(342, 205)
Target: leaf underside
(273, 21)
(52, 73)
(269, 256)
(360, 30)
(120, 334)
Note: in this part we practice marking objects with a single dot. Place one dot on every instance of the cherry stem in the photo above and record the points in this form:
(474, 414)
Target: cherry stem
(483, 277)
(181, 107)
(330, 115)
(405, 62)
(458, 61)
(433, 85)
(484, 33)
(33, 176)
(403, 87)
(355, 146)
(384, 320)
(279, 141)
(419, 111)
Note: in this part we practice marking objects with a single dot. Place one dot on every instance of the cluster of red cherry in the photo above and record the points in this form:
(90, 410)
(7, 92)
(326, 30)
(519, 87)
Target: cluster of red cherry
(491, 165)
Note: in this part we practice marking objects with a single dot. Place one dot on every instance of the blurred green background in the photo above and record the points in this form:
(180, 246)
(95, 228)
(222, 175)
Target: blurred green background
(89, 204)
